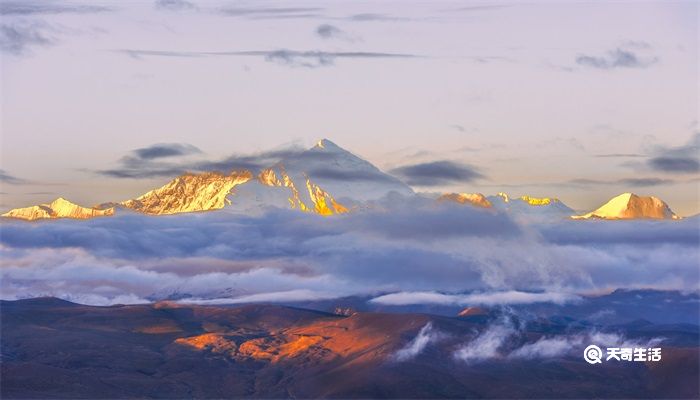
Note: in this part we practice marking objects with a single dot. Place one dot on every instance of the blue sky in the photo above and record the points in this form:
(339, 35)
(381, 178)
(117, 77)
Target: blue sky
(579, 100)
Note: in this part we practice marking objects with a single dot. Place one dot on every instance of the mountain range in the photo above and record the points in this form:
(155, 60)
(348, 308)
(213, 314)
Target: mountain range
(325, 180)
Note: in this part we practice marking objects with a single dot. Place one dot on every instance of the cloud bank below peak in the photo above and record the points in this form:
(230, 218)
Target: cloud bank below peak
(418, 255)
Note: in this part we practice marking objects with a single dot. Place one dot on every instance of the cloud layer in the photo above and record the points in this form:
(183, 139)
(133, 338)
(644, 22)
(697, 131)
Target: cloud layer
(417, 254)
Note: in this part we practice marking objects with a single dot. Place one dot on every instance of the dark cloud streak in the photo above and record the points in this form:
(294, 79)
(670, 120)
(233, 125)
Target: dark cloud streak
(19, 37)
(28, 7)
(437, 173)
(291, 58)
(618, 58)
(682, 160)
(174, 5)
(162, 150)
(326, 31)
(9, 179)
(271, 13)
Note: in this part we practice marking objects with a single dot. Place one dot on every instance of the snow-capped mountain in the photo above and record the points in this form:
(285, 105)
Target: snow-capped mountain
(59, 208)
(526, 206)
(325, 179)
(345, 175)
(475, 199)
(631, 206)
(190, 192)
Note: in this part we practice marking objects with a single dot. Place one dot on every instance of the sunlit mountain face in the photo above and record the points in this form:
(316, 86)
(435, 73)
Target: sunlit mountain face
(349, 200)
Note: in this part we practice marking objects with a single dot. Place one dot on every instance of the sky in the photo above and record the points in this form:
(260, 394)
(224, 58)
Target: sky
(576, 100)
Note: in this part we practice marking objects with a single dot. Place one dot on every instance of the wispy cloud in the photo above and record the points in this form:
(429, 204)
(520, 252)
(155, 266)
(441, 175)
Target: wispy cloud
(683, 159)
(148, 162)
(488, 299)
(675, 164)
(634, 182)
(162, 150)
(501, 341)
(481, 7)
(487, 345)
(425, 336)
(291, 58)
(174, 5)
(5, 177)
(286, 296)
(271, 12)
(168, 160)
(620, 155)
(458, 128)
(366, 17)
(437, 173)
(30, 7)
(20, 37)
(548, 347)
(327, 31)
(614, 59)
(558, 346)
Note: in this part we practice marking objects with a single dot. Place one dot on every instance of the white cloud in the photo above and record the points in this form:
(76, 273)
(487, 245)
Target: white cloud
(425, 336)
(486, 345)
(487, 298)
(470, 258)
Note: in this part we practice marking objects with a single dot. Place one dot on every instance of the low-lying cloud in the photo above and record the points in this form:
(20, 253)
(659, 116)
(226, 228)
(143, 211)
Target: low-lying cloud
(425, 336)
(401, 253)
(488, 299)
(502, 340)
(487, 345)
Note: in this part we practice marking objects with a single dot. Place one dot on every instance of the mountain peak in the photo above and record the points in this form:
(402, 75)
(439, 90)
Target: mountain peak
(504, 196)
(475, 199)
(538, 201)
(326, 145)
(631, 206)
(60, 201)
(190, 192)
(59, 208)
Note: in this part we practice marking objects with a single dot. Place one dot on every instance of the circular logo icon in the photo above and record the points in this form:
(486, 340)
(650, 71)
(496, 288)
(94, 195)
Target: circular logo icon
(593, 354)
